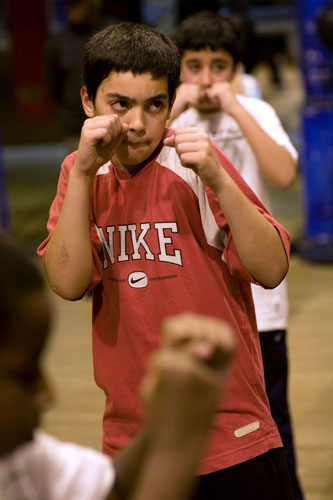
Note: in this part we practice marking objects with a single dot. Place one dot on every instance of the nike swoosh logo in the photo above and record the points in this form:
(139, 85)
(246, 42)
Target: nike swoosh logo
(138, 279)
(133, 281)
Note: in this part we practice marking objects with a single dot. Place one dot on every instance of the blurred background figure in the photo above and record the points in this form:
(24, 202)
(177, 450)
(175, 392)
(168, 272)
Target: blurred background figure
(63, 55)
(244, 81)
(250, 133)
(316, 56)
(36, 466)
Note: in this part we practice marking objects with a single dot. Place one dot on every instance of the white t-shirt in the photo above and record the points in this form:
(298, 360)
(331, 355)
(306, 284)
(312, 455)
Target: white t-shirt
(271, 305)
(48, 469)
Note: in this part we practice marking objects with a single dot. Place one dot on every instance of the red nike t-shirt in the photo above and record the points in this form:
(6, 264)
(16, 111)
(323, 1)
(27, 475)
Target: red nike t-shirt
(162, 246)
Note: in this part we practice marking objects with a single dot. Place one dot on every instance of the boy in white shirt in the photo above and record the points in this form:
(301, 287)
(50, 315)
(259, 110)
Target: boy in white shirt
(250, 134)
(180, 393)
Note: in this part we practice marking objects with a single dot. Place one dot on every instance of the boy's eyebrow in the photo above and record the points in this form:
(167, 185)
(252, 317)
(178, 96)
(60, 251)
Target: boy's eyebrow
(193, 59)
(116, 95)
(197, 59)
(161, 95)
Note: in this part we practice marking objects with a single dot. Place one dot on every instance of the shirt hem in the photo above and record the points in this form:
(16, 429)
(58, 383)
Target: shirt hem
(220, 462)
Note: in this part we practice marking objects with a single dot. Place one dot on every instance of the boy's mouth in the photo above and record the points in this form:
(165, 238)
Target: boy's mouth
(206, 98)
(136, 144)
(206, 102)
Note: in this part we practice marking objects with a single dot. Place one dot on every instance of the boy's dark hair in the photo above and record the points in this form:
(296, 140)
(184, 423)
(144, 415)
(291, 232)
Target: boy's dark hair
(19, 277)
(207, 29)
(131, 47)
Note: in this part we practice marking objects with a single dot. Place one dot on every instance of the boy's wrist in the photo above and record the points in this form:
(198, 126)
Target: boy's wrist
(238, 111)
(219, 184)
(77, 174)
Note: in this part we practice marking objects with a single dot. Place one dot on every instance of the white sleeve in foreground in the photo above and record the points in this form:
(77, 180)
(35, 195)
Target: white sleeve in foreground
(48, 469)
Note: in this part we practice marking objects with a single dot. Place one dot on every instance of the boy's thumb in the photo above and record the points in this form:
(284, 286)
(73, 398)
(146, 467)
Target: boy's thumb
(169, 141)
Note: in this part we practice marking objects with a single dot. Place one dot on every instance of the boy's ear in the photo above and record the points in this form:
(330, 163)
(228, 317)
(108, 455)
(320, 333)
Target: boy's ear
(87, 103)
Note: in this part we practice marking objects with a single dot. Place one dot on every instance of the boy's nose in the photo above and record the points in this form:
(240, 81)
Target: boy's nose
(137, 122)
(206, 78)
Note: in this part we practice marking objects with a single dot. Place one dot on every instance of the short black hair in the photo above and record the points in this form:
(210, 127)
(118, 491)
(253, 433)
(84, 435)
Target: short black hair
(19, 277)
(134, 47)
(206, 29)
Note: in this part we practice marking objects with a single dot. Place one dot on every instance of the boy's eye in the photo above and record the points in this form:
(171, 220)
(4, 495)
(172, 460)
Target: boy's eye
(156, 106)
(218, 67)
(119, 105)
(194, 67)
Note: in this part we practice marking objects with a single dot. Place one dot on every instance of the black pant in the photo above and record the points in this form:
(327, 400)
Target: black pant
(274, 353)
(262, 478)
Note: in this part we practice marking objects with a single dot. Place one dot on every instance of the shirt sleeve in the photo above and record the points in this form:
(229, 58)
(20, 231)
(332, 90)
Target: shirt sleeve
(76, 472)
(46, 468)
(268, 119)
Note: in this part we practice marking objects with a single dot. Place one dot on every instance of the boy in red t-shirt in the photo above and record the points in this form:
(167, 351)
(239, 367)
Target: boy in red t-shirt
(158, 222)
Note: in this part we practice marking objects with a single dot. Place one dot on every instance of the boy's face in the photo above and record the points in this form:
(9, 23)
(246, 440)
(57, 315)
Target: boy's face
(23, 390)
(143, 104)
(206, 68)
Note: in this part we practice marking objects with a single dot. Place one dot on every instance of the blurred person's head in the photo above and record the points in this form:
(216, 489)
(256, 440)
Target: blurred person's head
(82, 14)
(210, 48)
(25, 315)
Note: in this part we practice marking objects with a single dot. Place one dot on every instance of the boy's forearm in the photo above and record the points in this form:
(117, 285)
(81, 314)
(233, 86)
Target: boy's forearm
(180, 105)
(257, 241)
(167, 475)
(68, 258)
(274, 160)
(181, 390)
(128, 464)
(145, 469)
(176, 110)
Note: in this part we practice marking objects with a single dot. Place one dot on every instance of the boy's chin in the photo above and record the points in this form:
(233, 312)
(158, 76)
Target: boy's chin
(133, 161)
(136, 156)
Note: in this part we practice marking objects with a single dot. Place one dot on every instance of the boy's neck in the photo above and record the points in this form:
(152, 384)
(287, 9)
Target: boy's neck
(130, 169)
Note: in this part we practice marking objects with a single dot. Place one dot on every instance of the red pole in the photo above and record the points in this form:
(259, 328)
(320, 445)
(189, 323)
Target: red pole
(28, 31)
